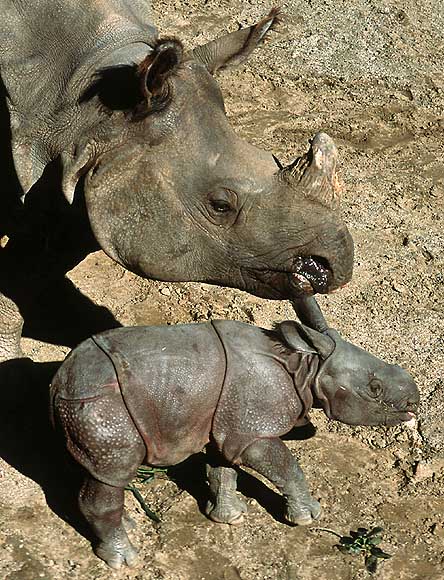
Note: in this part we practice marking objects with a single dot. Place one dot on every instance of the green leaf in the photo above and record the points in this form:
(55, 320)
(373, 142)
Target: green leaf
(362, 531)
(375, 540)
(145, 478)
(152, 515)
(378, 553)
(346, 541)
(371, 563)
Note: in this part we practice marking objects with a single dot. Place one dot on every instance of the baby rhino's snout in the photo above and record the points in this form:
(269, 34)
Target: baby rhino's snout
(408, 393)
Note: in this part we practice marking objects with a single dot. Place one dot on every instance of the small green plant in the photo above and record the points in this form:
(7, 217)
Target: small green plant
(362, 541)
(144, 475)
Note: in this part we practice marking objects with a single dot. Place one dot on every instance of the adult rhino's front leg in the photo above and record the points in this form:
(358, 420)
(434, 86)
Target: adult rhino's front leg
(11, 323)
(272, 459)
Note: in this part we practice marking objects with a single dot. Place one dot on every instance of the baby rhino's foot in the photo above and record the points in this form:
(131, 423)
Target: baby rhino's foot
(117, 553)
(303, 512)
(229, 510)
(128, 522)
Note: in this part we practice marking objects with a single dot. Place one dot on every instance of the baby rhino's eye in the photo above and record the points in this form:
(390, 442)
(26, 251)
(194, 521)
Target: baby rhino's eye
(375, 388)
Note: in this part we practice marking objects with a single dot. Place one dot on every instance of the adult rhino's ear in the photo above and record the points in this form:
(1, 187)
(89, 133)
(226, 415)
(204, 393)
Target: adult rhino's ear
(154, 72)
(305, 339)
(75, 164)
(30, 161)
(232, 49)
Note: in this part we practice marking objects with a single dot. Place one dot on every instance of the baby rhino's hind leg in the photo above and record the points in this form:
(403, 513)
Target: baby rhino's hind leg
(102, 506)
(104, 440)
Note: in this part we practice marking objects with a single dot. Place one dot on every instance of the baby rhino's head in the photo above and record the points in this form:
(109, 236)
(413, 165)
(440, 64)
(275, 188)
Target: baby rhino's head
(352, 385)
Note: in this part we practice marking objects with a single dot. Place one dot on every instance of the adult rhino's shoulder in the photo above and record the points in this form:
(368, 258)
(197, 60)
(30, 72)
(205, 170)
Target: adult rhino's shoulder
(48, 52)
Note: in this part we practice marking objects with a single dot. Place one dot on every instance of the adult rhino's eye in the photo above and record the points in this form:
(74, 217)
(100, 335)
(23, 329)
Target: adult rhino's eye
(220, 206)
(375, 388)
(222, 203)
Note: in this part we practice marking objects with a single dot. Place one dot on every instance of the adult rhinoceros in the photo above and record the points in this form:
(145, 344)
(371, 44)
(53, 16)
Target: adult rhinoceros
(136, 127)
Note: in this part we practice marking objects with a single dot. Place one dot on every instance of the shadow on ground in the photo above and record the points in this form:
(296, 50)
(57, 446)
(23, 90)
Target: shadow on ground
(28, 441)
(190, 476)
(54, 316)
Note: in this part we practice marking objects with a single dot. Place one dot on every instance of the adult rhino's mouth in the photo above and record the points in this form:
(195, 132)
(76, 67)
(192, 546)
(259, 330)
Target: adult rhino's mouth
(308, 275)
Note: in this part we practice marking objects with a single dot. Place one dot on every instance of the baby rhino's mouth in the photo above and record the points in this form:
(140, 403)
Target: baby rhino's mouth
(407, 416)
(310, 276)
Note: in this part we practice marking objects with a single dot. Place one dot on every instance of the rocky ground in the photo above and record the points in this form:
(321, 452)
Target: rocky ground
(370, 74)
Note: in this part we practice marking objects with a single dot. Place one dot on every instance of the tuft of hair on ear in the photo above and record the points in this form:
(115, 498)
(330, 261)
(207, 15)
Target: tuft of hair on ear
(277, 16)
(258, 34)
(154, 73)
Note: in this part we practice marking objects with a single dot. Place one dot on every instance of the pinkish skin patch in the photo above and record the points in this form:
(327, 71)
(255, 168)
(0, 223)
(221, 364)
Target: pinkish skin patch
(411, 423)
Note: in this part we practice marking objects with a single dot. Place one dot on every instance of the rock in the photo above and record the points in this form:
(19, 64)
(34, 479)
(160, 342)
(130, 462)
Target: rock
(437, 530)
(422, 471)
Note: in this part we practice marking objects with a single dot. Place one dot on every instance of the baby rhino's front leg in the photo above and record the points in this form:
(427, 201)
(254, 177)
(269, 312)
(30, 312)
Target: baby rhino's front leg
(225, 506)
(272, 459)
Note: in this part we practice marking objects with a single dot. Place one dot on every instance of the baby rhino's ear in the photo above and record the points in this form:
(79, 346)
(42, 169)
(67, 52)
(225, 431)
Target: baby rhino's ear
(289, 331)
(303, 339)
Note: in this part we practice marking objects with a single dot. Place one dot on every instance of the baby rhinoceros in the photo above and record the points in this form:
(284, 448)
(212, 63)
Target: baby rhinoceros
(156, 395)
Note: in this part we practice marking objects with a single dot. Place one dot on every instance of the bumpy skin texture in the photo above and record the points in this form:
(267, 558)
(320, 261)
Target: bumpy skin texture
(159, 394)
(224, 506)
(138, 130)
(11, 324)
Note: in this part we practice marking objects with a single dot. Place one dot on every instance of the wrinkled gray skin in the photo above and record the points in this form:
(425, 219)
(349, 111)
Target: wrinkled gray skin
(156, 395)
(138, 128)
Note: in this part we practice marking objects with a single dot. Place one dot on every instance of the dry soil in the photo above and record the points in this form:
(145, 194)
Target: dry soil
(370, 74)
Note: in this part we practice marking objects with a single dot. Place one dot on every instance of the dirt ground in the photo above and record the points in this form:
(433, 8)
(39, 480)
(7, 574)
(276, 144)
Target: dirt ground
(370, 74)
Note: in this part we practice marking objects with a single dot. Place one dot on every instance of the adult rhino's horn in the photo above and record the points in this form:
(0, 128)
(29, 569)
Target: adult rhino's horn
(29, 164)
(232, 49)
(316, 171)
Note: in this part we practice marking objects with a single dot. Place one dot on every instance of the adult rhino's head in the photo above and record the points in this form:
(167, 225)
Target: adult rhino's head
(179, 196)
(351, 385)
